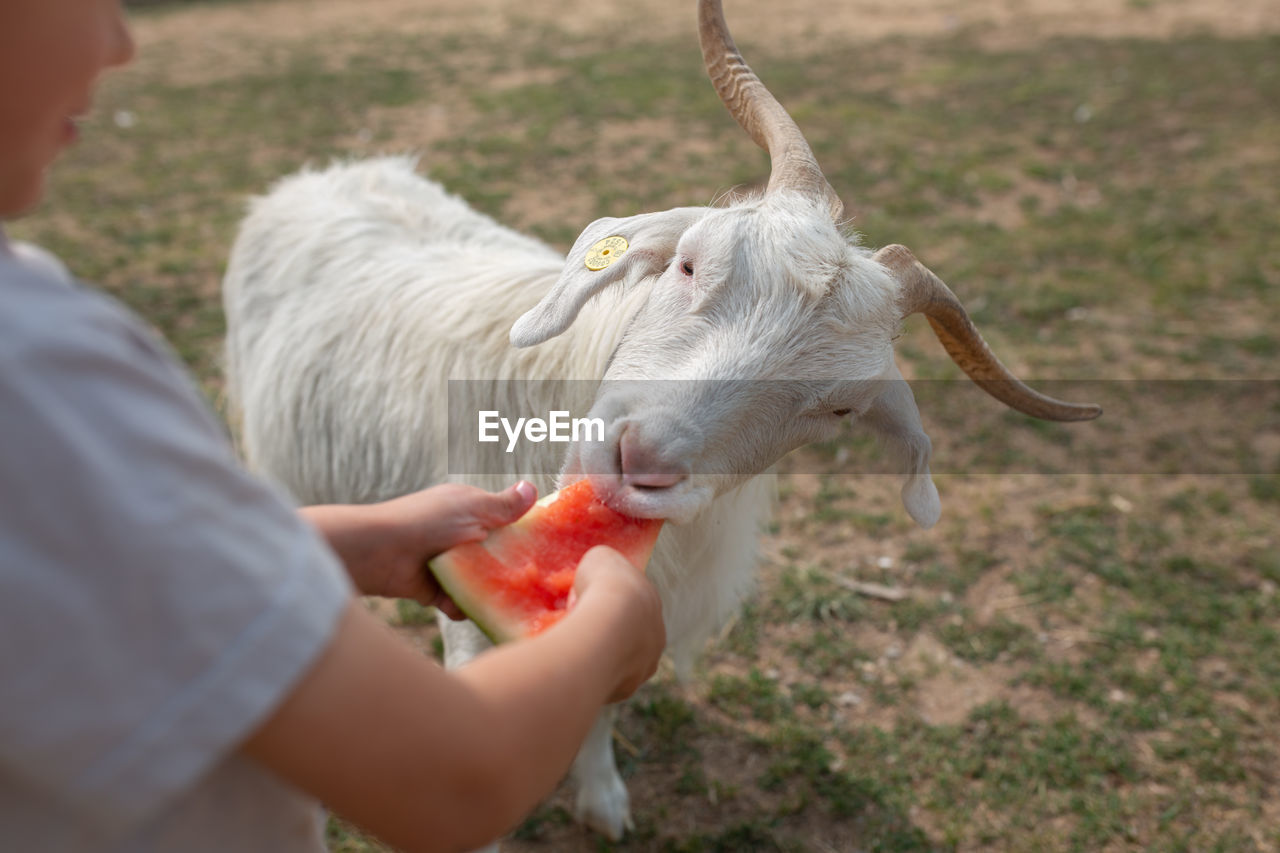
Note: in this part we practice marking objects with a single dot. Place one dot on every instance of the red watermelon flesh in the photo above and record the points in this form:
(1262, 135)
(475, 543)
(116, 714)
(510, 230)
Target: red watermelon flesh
(516, 582)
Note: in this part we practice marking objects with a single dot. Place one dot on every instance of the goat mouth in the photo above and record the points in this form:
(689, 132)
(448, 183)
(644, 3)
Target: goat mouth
(653, 481)
(678, 504)
(666, 491)
(645, 487)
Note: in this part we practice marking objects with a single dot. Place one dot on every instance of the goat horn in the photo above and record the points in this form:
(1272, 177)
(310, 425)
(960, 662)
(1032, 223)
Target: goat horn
(768, 123)
(924, 293)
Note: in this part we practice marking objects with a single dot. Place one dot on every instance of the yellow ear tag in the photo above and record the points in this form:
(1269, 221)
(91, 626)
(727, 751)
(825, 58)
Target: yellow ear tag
(605, 252)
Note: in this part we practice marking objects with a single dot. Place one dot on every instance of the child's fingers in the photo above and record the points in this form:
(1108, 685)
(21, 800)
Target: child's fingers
(598, 563)
(502, 508)
(445, 605)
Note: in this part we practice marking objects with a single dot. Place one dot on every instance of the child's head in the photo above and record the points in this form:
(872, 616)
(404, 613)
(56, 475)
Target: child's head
(51, 53)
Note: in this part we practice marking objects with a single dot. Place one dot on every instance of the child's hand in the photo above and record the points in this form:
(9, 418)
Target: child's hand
(427, 523)
(386, 546)
(607, 583)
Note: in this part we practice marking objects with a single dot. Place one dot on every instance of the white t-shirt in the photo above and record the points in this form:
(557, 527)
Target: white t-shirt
(156, 602)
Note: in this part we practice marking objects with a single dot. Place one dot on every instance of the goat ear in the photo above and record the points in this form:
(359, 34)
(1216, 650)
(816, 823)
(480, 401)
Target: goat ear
(647, 244)
(896, 419)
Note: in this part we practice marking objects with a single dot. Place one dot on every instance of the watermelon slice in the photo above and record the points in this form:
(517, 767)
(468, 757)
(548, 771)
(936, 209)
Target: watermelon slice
(516, 582)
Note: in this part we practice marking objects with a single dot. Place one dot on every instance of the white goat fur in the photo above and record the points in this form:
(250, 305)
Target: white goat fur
(354, 293)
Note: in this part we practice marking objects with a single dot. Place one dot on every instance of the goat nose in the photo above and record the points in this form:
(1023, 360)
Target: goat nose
(643, 465)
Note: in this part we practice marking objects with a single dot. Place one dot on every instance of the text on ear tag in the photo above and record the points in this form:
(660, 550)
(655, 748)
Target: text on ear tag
(605, 252)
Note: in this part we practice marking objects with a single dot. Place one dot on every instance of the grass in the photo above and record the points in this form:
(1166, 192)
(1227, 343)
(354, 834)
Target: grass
(1089, 654)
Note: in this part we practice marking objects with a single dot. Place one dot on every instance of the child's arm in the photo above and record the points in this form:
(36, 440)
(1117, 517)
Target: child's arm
(434, 760)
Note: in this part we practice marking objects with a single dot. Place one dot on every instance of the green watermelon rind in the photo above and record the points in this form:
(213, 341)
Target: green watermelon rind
(484, 617)
(488, 619)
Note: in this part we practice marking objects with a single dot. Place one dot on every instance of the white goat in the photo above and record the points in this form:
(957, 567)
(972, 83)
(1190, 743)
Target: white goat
(354, 293)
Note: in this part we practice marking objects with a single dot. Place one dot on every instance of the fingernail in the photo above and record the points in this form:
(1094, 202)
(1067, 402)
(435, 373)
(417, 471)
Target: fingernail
(527, 491)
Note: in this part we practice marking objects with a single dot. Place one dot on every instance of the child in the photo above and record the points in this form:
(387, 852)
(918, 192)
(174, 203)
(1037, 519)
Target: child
(183, 664)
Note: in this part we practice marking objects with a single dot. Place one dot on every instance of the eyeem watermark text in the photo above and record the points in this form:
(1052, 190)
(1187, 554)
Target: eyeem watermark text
(1145, 429)
(558, 426)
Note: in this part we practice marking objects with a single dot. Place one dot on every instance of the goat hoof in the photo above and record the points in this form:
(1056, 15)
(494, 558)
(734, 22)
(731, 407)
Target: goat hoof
(606, 808)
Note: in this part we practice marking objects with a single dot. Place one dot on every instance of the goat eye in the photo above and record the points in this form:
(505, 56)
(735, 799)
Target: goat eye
(840, 413)
(687, 267)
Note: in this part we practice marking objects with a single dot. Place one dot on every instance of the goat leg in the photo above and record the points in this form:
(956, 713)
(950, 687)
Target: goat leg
(602, 803)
